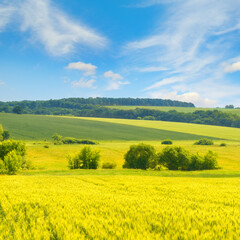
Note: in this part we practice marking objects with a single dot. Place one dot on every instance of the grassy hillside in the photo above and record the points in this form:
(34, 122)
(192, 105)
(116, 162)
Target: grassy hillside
(179, 109)
(34, 127)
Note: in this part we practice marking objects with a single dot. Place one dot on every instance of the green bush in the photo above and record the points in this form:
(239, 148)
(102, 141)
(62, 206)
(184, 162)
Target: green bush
(12, 155)
(13, 162)
(174, 158)
(85, 159)
(141, 156)
(58, 140)
(10, 145)
(210, 161)
(70, 140)
(5, 135)
(204, 141)
(109, 165)
(223, 145)
(167, 142)
(177, 158)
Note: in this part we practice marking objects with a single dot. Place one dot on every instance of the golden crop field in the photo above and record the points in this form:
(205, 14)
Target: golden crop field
(119, 207)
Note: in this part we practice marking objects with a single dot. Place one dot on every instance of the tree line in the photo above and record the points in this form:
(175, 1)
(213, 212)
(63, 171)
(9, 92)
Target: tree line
(76, 103)
(68, 107)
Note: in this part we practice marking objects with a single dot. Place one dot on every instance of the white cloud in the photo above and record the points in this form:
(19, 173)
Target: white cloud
(192, 41)
(153, 69)
(84, 84)
(6, 13)
(164, 82)
(232, 68)
(1, 83)
(115, 80)
(87, 68)
(113, 76)
(192, 97)
(48, 25)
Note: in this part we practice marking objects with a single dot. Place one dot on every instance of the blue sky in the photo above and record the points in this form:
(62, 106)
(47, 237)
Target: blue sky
(185, 50)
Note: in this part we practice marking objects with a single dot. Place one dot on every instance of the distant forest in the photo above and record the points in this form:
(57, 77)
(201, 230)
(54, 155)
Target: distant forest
(75, 103)
(94, 107)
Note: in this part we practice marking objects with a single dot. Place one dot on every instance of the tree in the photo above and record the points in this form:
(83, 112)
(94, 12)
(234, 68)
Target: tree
(87, 158)
(174, 158)
(141, 156)
(18, 109)
(57, 139)
(229, 106)
(6, 135)
(12, 157)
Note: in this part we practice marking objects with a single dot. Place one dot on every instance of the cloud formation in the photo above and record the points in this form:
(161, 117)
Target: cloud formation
(192, 97)
(87, 68)
(84, 83)
(115, 80)
(232, 68)
(192, 42)
(50, 26)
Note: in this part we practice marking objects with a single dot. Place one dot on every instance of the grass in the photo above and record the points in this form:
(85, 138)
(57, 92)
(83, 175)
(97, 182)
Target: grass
(34, 127)
(195, 129)
(54, 157)
(179, 109)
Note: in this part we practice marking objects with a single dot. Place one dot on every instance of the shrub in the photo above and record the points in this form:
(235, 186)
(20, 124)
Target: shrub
(12, 155)
(223, 145)
(10, 145)
(204, 141)
(109, 165)
(210, 161)
(141, 156)
(13, 162)
(85, 159)
(177, 158)
(167, 142)
(5, 135)
(46, 146)
(57, 139)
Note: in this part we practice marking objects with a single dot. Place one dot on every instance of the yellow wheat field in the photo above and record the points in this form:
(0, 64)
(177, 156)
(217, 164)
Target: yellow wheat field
(119, 207)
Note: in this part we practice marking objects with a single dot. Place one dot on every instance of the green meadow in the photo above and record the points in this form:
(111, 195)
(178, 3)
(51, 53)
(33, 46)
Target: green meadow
(53, 202)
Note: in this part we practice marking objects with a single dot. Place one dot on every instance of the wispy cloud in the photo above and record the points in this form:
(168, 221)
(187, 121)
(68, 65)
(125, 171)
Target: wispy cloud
(50, 26)
(193, 42)
(1, 83)
(164, 82)
(84, 83)
(6, 14)
(232, 68)
(153, 69)
(115, 80)
(87, 68)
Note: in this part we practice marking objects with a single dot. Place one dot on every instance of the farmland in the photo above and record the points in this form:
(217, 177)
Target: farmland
(53, 202)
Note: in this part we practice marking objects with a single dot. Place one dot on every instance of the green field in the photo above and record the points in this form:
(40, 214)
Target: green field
(33, 127)
(53, 202)
(179, 109)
